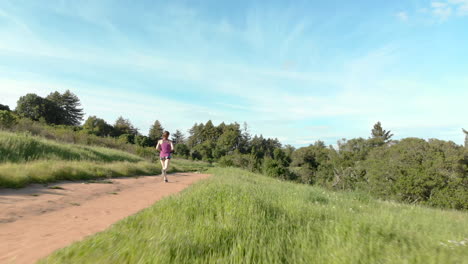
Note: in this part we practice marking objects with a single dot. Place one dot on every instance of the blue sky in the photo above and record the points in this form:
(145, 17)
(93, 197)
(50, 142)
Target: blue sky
(299, 71)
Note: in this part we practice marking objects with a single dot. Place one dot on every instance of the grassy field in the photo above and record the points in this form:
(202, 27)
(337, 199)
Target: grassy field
(25, 148)
(27, 159)
(239, 217)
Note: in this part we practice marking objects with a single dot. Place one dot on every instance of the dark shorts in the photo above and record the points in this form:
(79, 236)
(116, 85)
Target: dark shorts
(165, 157)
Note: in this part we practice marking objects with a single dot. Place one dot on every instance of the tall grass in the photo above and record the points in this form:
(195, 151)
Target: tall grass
(240, 217)
(24, 148)
(16, 175)
(28, 159)
(19, 175)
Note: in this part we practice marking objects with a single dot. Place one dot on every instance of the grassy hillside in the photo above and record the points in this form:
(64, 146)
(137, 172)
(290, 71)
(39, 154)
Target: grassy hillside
(28, 159)
(24, 148)
(240, 217)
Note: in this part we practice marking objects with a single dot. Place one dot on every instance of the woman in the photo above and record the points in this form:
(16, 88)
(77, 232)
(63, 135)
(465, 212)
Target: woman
(165, 148)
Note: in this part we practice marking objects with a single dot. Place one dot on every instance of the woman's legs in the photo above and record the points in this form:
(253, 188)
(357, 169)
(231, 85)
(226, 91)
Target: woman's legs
(162, 164)
(166, 166)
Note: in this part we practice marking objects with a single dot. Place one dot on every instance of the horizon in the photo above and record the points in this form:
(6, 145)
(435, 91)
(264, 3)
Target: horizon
(297, 72)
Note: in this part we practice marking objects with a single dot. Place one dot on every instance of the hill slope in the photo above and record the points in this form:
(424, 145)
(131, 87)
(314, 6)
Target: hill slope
(240, 217)
(28, 159)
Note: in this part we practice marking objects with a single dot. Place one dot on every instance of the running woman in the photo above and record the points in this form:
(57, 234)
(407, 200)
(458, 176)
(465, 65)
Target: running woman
(165, 148)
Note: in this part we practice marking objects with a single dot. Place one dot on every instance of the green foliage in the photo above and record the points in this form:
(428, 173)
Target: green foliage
(4, 108)
(24, 148)
(156, 132)
(56, 108)
(68, 134)
(245, 161)
(204, 150)
(379, 133)
(240, 217)
(127, 139)
(177, 137)
(69, 104)
(98, 127)
(466, 138)
(275, 168)
(143, 141)
(43, 171)
(182, 150)
(35, 107)
(7, 119)
(414, 170)
(124, 126)
(307, 161)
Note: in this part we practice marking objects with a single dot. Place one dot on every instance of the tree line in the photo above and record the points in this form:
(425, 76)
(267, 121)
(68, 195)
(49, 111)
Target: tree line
(432, 172)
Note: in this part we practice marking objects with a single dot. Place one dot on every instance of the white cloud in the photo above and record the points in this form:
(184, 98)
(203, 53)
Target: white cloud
(461, 6)
(403, 16)
(364, 93)
(445, 9)
(441, 10)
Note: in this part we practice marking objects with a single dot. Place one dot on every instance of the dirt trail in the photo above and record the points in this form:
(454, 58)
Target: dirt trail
(37, 220)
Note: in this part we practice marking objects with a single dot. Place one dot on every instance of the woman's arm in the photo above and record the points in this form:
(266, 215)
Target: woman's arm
(158, 146)
(172, 147)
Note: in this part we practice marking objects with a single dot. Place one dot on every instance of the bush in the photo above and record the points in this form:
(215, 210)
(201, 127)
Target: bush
(414, 170)
(182, 150)
(274, 168)
(69, 134)
(244, 161)
(7, 119)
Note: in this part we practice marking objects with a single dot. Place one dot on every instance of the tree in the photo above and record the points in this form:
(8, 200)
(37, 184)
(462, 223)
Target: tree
(36, 108)
(182, 150)
(69, 103)
(245, 138)
(7, 119)
(209, 132)
(123, 126)
(415, 170)
(195, 135)
(4, 107)
(142, 141)
(178, 137)
(379, 133)
(466, 138)
(97, 126)
(156, 131)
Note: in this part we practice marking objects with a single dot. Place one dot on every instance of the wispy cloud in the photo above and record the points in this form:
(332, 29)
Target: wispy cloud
(448, 8)
(172, 62)
(403, 16)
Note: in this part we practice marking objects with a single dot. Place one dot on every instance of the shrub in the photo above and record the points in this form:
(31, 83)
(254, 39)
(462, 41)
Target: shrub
(182, 150)
(274, 168)
(7, 119)
(414, 170)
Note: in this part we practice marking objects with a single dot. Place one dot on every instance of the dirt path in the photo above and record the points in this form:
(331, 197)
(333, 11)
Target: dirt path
(37, 220)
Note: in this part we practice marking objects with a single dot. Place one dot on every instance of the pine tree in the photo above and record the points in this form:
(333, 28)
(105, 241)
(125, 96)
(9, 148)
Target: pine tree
(379, 133)
(156, 131)
(123, 126)
(69, 103)
(466, 138)
(178, 137)
(196, 136)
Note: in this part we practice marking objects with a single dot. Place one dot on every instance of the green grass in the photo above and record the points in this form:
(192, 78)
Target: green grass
(17, 175)
(26, 159)
(239, 217)
(17, 148)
